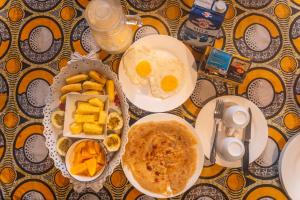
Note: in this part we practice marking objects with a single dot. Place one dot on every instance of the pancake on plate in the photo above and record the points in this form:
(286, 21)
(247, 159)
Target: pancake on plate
(162, 156)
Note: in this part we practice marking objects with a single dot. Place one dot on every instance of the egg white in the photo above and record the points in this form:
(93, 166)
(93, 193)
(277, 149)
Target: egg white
(167, 65)
(132, 58)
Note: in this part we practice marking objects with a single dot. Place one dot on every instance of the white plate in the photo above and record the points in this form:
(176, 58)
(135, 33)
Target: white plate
(141, 95)
(289, 167)
(166, 117)
(259, 131)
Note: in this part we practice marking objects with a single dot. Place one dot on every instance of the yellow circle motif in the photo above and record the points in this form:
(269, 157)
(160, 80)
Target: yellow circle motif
(2, 149)
(249, 33)
(188, 3)
(235, 181)
(211, 171)
(282, 11)
(60, 180)
(288, 64)
(7, 175)
(264, 192)
(13, 66)
(173, 12)
(277, 137)
(15, 14)
(118, 179)
(67, 13)
(10, 120)
(132, 194)
(46, 75)
(261, 73)
(35, 186)
(83, 3)
(115, 65)
(3, 2)
(256, 19)
(296, 1)
(292, 121)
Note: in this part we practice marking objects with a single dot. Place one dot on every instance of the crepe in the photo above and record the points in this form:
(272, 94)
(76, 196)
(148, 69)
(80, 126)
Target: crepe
(162, 156)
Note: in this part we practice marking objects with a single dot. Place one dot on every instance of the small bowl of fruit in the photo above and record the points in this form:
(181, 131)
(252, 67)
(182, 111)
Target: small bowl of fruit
(86, 160)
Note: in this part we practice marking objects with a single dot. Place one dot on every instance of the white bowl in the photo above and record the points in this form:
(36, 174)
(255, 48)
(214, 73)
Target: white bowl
(68, 164)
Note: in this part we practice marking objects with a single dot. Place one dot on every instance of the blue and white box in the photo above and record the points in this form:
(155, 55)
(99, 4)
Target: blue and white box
(204, 23)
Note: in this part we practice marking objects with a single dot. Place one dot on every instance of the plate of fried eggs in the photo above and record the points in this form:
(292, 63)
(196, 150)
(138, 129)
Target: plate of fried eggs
(158, 73)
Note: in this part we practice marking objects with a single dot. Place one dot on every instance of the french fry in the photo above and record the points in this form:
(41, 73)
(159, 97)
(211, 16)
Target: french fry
(102, 117)
(76, 128)
(79, 118)
(97, 77)
(76, 78)
(96, 102)
(90, 85)
(110, 90)
(91, 92)
(92, 129)
(64, 96)
(86, 108)
(76, 87)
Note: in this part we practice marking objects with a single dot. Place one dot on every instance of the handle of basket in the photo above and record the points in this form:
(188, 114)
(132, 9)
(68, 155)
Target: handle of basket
(92, 55)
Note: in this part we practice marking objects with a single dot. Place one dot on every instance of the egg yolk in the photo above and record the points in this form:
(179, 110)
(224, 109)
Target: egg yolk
(169, 83)
(143, 69)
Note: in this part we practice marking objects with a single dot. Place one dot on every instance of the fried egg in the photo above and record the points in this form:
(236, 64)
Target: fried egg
(139, 64)
(167, 80)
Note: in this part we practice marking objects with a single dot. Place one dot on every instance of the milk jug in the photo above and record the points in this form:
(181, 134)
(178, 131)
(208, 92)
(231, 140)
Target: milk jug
(110, 26)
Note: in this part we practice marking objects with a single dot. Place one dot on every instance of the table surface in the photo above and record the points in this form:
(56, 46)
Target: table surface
(38, 37)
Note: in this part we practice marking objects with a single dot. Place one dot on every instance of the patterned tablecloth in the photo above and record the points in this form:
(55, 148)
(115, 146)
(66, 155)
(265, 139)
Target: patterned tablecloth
(37, 38)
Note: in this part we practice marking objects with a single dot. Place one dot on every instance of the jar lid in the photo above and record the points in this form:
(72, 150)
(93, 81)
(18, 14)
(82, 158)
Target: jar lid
(220, 6)
(101, 15)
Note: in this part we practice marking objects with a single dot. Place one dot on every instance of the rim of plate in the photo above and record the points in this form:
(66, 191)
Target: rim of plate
(282, 158)
(192, 180)
(138, 95)
(255, 110)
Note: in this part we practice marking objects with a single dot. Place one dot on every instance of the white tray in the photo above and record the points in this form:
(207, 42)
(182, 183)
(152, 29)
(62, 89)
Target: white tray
(51, 134)
(70, 109)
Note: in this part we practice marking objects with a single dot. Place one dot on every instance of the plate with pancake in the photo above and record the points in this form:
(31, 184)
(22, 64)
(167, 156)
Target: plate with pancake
(159, 70)
(163, 157)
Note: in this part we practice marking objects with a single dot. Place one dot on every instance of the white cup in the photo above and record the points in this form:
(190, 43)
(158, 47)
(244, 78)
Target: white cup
(235, 117)
(232, 149)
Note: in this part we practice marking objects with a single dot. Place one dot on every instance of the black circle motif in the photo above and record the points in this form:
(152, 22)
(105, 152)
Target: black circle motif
(248, 44)
(41, 5)
(5, 36)
(254, 3)
(146, 5)
(41, 45)
(204, 191)
(88, 193)
(38, 163)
